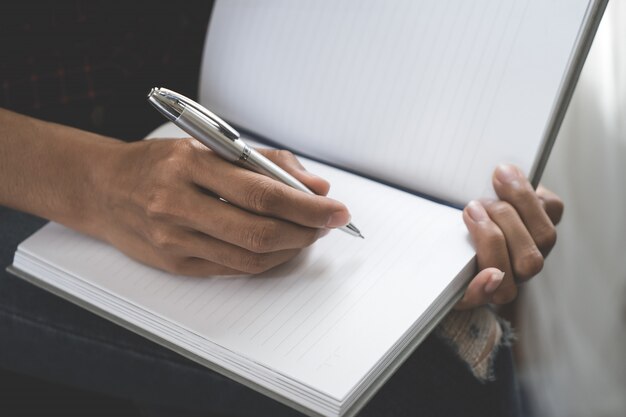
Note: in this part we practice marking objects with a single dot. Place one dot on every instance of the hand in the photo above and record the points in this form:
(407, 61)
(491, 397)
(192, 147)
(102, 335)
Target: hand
(512, 235)
(176, 205)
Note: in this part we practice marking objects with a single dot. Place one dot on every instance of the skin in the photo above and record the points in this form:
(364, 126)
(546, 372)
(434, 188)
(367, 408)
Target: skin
(143, 198)
(512, 236)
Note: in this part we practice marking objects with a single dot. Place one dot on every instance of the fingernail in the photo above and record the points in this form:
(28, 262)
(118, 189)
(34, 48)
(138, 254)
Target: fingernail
(494, 282)
(507, 173)
(338, 219)
(477, 211)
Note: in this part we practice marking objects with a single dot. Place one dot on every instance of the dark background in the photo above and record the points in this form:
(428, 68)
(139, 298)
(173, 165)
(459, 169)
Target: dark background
(27, 396)
(90, 64)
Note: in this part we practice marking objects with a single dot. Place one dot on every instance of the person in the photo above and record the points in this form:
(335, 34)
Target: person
(143, 198)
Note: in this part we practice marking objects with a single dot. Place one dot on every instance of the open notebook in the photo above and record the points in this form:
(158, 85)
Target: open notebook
(427, 96)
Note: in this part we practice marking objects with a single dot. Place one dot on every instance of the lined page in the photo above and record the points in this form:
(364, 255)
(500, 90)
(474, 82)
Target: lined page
(313, 319)
(427, 94)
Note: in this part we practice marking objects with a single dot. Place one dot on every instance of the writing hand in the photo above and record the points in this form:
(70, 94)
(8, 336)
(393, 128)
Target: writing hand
(512, 235)
(165, 207)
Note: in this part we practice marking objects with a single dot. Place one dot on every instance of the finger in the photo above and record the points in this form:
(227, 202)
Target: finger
(525, 257)
(552, 204)
(481, 289)
(198, 267)
(247, 230)
(491, 249)
(513, 187)
(198, 245)
(135, 245)
(287, 161)
(263, 195)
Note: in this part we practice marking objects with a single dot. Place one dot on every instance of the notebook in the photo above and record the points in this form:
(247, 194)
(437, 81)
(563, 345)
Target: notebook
(405, 107)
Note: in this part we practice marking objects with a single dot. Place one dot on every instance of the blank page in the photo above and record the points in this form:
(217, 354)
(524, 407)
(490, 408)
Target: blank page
(427, 94)
(324, 319)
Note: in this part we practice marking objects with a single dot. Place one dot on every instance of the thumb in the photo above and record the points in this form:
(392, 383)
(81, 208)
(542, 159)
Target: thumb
(481, 289)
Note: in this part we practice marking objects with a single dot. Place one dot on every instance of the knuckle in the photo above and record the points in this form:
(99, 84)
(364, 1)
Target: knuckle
(178, 158)
(529, 265)
(154, 207)
(254, 263)
(500, 209)
(284, 156)
(159, 204)
(183, 148)
(161, 238)
(546, 238)
(492, 235)
(263, 196)
(262, 237)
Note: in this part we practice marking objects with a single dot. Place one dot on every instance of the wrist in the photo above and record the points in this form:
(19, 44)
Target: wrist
(48, 169)
(105, 186)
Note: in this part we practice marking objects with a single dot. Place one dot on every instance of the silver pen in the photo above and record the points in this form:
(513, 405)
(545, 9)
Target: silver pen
(219, 136)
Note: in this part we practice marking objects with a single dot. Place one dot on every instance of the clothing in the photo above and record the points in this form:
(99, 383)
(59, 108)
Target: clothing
(67, 62)
(475, 335)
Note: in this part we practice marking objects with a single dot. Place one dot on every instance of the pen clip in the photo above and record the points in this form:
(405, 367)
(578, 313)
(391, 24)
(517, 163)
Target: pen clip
(214, 120)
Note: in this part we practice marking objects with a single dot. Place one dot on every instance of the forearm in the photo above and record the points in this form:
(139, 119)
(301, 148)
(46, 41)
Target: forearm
(52, 171)
(161, 201)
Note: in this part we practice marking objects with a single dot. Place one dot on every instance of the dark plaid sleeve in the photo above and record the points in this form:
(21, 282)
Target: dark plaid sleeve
(90, 64)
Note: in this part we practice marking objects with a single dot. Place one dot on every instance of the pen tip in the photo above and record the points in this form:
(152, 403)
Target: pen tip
(352, 229)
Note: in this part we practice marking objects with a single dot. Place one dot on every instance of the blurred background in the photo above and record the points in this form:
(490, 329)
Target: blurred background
(572, 318)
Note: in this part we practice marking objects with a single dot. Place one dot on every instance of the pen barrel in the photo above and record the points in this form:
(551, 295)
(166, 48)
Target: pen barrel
(194, 123)
(259, 163)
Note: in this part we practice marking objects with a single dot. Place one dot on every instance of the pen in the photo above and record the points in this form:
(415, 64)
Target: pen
(219, 136)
